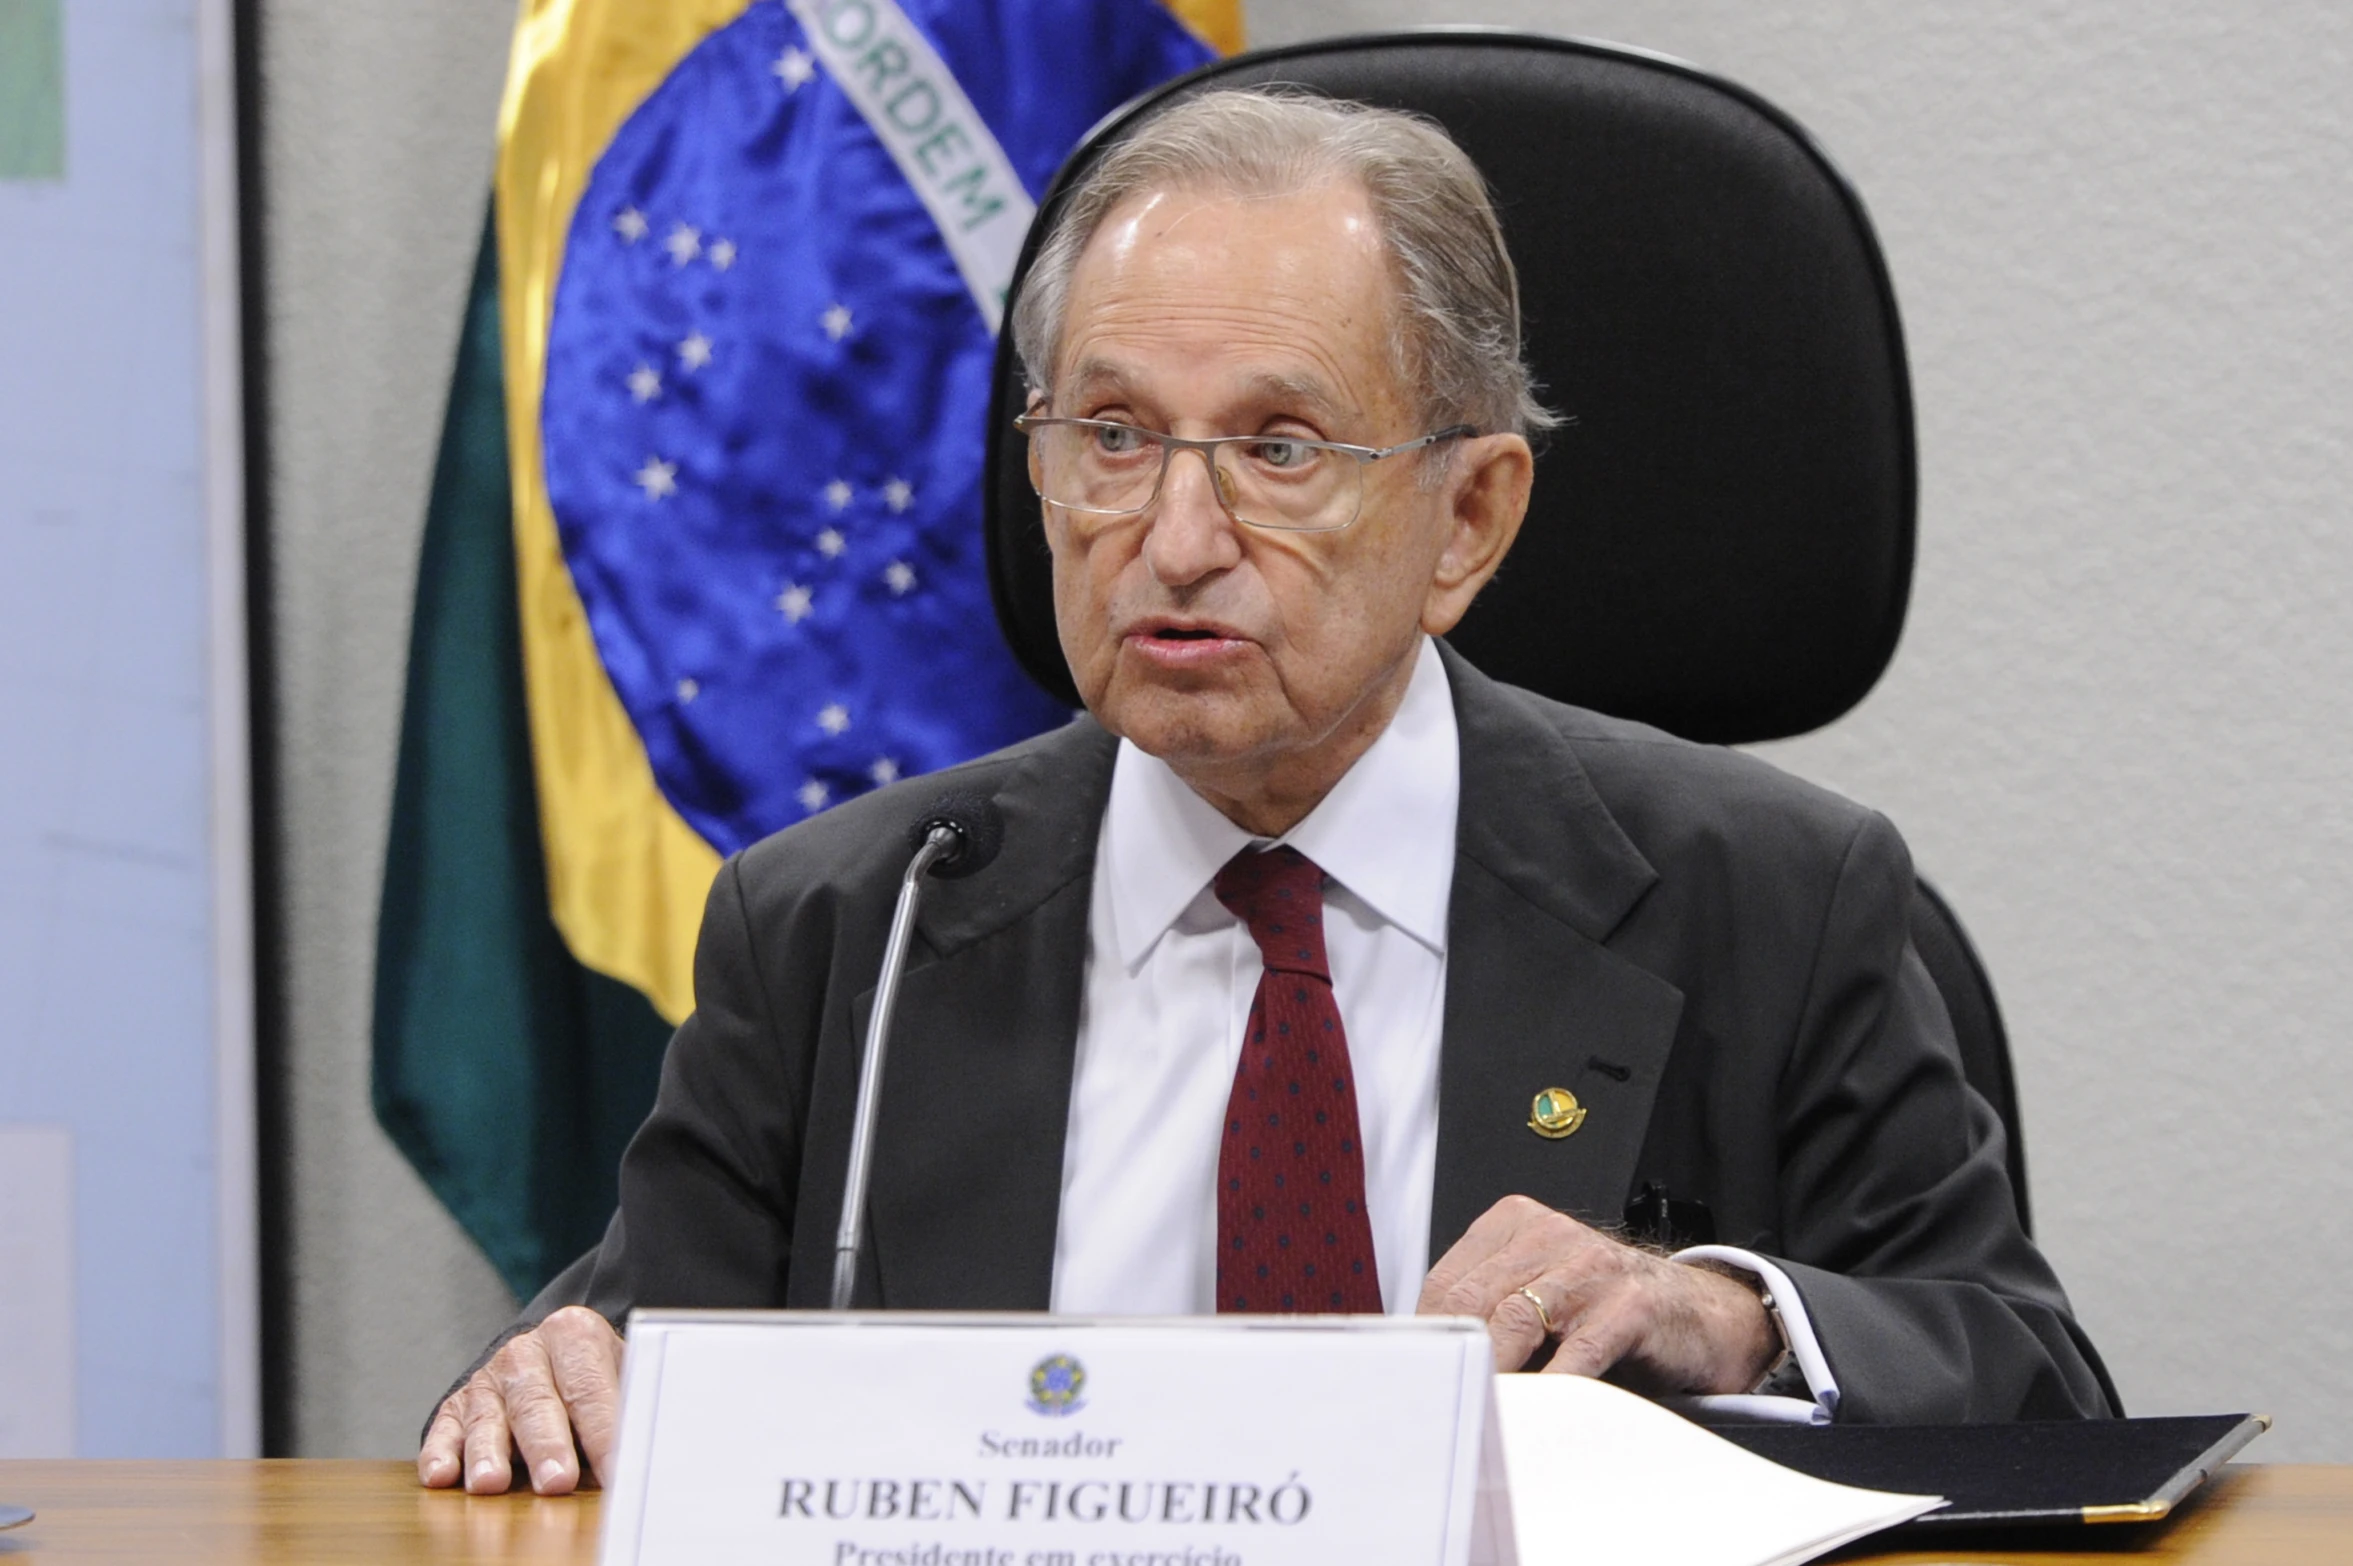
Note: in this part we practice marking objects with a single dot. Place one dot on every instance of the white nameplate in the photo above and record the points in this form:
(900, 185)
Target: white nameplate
(915, 1440)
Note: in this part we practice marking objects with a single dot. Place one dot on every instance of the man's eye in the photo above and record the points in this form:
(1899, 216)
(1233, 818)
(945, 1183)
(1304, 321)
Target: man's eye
(1117, 440)
(1281, 455)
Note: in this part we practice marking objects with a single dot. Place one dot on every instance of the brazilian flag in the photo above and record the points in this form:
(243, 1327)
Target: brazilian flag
(703, 554)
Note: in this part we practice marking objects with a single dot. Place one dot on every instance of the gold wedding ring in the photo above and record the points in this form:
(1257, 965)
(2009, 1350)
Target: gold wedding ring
(1542, 1314)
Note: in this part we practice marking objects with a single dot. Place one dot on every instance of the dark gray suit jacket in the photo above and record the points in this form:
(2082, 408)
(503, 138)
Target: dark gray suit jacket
(1711, 955)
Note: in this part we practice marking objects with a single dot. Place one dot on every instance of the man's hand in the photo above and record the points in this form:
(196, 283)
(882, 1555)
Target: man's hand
(562, 1376)
(1659, 1326)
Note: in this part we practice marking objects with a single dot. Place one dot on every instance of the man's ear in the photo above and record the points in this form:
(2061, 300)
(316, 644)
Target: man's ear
(1485, 499)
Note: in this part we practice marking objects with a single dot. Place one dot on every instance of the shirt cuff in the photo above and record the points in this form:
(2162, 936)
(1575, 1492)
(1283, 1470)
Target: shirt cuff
(1788, 1309)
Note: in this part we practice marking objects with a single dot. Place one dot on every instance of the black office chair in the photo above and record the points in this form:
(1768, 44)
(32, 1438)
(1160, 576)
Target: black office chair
(1721, 543)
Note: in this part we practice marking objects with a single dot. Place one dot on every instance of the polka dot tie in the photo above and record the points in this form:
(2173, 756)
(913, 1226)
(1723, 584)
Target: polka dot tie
(1292, 1233)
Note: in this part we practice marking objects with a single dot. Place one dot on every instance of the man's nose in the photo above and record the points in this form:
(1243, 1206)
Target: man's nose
(1192, 535)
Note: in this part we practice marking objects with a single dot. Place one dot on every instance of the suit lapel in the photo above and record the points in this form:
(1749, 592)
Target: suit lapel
(1534, 998)
(976, 1091)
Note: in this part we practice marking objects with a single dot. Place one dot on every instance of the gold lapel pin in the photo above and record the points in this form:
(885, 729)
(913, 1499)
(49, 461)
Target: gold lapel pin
(1555, 1114)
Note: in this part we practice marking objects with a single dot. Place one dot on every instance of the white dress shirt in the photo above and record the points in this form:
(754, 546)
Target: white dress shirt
(1170, 977)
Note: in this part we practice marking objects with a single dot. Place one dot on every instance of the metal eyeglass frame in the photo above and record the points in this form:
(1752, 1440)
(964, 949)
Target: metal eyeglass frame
(1028, 423)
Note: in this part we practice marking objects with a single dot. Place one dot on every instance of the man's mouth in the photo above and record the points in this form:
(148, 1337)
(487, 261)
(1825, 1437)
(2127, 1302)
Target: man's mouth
(1181, 647)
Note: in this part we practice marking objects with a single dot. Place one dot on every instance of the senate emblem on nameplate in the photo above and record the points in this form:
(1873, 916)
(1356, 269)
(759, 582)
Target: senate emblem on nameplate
(1055, 1383)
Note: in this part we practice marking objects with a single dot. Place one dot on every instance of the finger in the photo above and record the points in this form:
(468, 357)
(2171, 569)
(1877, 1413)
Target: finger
(1517, 1330)
(439, 1459)
(585, 1352)
(489, 1445)
(1490, 1233)
(1521, 1330)
(1605, 1332)
(543, 1430)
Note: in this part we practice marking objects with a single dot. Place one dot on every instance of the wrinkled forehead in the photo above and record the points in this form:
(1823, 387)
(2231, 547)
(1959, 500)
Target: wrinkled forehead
(1283, 297)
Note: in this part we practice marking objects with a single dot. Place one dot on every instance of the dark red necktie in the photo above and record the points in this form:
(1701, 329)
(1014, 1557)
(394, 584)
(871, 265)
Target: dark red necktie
(1292, 1233)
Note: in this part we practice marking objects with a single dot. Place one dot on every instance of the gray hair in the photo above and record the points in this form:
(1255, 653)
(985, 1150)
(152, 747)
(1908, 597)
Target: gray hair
(1459, 295)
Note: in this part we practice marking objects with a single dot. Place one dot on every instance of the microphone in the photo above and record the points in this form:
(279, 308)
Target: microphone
(957, 834)
(979, 827)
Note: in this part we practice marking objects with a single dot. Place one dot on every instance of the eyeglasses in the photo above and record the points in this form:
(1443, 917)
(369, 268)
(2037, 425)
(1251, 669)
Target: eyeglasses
(1101, 468)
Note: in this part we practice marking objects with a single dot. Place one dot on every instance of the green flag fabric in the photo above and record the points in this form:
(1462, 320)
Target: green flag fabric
(32, 90)
(510, 1075)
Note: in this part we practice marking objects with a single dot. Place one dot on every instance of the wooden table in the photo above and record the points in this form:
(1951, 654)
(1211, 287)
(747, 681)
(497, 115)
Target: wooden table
(330, 1513)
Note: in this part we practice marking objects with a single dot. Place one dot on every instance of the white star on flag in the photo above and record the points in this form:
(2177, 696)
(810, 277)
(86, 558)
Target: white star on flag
(897, 494)
(630, 225)
(645, 383)
(695, 352)
(688, 690)
(684, 244)
(834, 718)
(900, 576)
(837, 322)
(813, 795)
(796, 68)
(830, 544)
(657, 478)
(796, 601)
(723, 254)
(883, 771)
(837, 494)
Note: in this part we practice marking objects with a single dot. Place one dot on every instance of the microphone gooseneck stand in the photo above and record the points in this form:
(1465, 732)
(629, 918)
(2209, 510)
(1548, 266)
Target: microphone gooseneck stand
(940, 842)
(958, 835)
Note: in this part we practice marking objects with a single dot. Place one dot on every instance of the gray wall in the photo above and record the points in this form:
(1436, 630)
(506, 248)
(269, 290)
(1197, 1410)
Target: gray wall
(381, 123)
(2116, 732)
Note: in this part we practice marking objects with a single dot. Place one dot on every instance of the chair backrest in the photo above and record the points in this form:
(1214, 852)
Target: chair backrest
(1968, 993)
(1721, 544)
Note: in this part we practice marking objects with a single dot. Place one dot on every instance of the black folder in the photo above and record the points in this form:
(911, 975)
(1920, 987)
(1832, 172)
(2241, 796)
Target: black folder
(2020, 1475)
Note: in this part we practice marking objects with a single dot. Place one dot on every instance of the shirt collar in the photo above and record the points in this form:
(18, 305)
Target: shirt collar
(1385, 831)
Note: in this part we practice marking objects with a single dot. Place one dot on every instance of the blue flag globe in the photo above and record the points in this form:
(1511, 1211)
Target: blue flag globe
(763, 419)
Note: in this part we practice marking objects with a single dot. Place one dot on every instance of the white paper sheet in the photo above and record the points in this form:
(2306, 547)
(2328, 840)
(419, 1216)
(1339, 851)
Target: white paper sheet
(1600, 1476)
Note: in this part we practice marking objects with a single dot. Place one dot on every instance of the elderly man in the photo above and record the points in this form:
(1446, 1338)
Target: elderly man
(1318, 971)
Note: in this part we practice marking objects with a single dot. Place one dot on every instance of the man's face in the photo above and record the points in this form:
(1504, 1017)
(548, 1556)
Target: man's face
(1233, 652)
